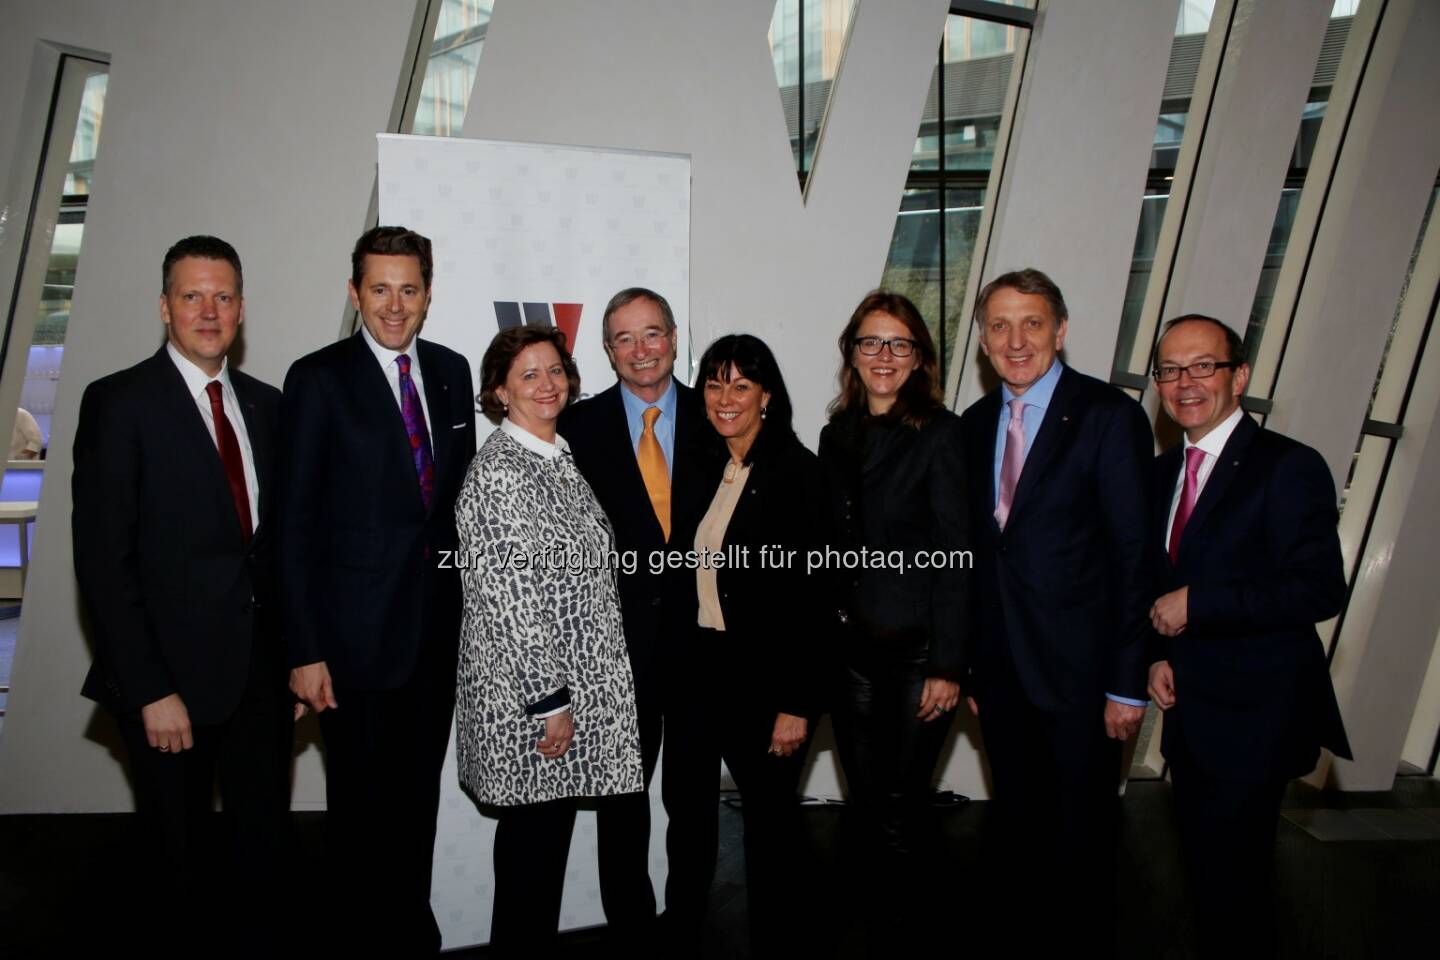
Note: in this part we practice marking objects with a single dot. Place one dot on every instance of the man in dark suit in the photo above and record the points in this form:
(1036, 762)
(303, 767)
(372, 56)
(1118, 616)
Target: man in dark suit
(1057, 670)
(381, 430)
(1249, 561)
(173, 498)
(643, 468)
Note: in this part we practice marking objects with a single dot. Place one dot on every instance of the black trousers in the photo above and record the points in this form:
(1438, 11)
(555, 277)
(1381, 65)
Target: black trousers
(710, 718)
(1227, 835)
(225, 870)
(622, 834)
(888, 755)
(532, 843)
(1056, 777)
(383, 754)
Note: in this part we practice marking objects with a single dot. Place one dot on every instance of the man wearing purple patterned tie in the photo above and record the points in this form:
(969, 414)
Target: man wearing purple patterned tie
(1059, 511)
(1249, 561)
(380, 431)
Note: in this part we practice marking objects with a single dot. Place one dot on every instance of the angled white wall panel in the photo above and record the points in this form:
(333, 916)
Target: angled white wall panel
(1079, 156)
(1365, 238)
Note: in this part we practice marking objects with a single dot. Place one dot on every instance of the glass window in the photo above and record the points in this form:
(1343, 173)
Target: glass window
(938, 224)
(808, 34)
(450, 69)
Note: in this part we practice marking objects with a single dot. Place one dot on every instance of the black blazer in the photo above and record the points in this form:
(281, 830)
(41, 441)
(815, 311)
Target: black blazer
(173, 594)
(778, 620)
(894, 488)
(654, 605)
(1261, 556)
(365, 569)
(1065, 589)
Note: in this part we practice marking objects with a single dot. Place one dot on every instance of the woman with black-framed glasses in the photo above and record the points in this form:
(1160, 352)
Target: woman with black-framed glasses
(896, 477)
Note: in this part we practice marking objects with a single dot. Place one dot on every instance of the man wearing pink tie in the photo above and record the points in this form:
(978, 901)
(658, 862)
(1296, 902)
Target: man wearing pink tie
(1056, 666)
(1249, 561)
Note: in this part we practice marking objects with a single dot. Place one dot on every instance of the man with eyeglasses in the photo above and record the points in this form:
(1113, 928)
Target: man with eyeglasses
(1059, 513)
(1248, 561)
(634, 444)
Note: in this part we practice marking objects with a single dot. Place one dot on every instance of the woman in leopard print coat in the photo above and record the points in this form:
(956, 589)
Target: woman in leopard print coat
(545, 699)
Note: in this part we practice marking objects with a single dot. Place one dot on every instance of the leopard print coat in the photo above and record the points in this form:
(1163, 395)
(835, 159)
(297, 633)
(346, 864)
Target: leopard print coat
(541, 613)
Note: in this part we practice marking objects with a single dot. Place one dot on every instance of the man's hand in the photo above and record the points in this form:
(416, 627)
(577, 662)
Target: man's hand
(311, 683)
(938, 698)
(167, 724)
(1162, 684)
(1169, 614)
(1122, 721)
(559, 732)
(789, 734)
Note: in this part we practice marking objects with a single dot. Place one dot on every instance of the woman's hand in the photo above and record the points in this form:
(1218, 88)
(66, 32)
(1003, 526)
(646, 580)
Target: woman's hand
(789, 734)
(938, 698)
(559, 731)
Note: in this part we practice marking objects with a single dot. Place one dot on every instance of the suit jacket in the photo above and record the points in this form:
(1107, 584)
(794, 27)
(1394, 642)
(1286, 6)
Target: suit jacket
(366, 570)
(1261, 556)
(778, 622)
(176, 599)
(892, 487)
(1065, 589)
(654, 605)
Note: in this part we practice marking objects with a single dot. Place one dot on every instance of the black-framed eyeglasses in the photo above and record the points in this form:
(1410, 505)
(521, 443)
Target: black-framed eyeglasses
(899, 346)
(1199, 370)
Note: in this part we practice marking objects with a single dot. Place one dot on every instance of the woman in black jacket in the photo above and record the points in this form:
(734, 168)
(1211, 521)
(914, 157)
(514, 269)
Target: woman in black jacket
(747, 685)
(896, 475)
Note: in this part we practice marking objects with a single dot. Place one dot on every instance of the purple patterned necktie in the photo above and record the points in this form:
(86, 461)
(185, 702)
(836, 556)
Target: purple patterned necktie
(414, 416)
(1012, 461)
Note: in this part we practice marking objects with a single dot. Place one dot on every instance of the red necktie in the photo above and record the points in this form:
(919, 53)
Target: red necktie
(229, 446)
(1193, 458)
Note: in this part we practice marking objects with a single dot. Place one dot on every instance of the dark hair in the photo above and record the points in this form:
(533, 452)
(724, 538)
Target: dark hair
(630, 295)
(1234, 346)
(500, 357)
(752, 359)
(391, 242)
(205, 248)
(1029, 281)
(920, 396)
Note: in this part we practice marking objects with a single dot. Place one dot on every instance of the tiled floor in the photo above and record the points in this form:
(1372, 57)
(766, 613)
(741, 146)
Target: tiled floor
(1358, 875)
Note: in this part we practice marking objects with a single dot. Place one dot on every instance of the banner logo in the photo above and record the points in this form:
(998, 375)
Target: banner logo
(565, 316)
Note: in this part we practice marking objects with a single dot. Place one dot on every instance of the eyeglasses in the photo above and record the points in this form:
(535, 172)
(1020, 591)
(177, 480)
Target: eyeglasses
(871, 346)
(628, 341)
(1199, 370)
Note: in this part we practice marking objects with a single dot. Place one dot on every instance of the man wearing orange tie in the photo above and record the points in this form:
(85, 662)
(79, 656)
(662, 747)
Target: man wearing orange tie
(634, 444)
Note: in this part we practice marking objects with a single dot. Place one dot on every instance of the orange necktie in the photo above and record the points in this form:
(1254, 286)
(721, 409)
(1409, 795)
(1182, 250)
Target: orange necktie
(654, 471)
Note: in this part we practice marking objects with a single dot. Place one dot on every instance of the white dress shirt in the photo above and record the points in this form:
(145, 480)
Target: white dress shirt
(386, 358)
(196, 380)
(1212, 444)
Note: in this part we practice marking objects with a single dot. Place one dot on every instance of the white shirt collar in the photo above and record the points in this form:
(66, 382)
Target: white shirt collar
(384, 354)
(195, 378)
(1213, 443)
(533, 443)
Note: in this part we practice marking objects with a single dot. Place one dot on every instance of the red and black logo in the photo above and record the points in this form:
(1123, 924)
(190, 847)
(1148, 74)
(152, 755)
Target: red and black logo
(565, 316)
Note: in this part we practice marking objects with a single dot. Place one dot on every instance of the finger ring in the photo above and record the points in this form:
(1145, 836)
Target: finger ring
(164, 748)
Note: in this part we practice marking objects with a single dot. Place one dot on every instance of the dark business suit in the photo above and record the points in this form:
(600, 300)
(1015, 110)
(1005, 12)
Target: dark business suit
(659, 612)
(1062, 602)
(768, 660)
(179, 603)
(898, 491)
(366, 590)
(1253, 700)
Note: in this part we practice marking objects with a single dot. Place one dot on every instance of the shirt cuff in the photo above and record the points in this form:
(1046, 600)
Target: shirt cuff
(1127, 701)
(557, 702)
(553, 713)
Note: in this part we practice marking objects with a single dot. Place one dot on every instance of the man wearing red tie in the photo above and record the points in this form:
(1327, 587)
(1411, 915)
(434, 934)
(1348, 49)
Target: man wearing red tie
(1250, 562)
(380, 430)
(172, 529)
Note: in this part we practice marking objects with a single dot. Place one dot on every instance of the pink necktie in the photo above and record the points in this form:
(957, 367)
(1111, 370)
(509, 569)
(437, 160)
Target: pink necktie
(1013, 460)
(1193, 458)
